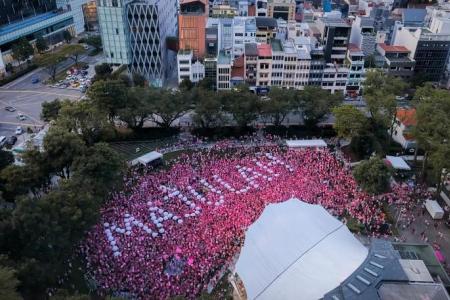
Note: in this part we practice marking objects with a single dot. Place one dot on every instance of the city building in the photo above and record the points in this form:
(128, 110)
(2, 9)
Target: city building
(261, 8)
(188, 67)
(429, 49)
(281, 9)
(250, 63)
(90, 15)
(334, 34)
(356, 73)
(150, 23)
(224, 64)
(114, 31)
(264, 66)
(192, 20)
(266, 29)
(396, 60)
(33, 19)
(224, 11)
(334, 78)
(363, 34)
(405, 120)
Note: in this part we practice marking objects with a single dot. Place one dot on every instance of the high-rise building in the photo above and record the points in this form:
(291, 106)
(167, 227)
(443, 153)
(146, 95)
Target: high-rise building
(335, 34)
(429, 49)
(191, 26)
(33, 19)
(135, 33)
(281, 9)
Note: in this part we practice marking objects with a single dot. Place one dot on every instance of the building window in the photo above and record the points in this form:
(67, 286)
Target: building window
(114, 3)
(117, 30)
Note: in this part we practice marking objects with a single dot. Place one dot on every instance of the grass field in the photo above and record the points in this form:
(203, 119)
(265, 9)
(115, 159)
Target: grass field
(133, 149)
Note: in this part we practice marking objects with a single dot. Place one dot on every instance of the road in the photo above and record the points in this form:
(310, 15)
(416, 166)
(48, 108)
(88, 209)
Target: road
(27, 97)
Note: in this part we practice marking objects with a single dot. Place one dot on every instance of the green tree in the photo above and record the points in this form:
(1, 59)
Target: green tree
(102, 72)
(62, 147)
(432, 131)
(8, 284)
(108, 96)
(315, 103)
(50, 61)
(138, 80)
(186, 85)
(6, 158)
(95, 41)
(83, 118)
(373, 176)
(41, 44)
(379, 92)
(280, 102)
(243, 105)
(350, 121)
(67, 36)
(22, 50)
(72, 52)
(100, 168)
(50, 110)
(168, 106)
(208, 109)
(369, 61)
(137, 106)
(207, 84)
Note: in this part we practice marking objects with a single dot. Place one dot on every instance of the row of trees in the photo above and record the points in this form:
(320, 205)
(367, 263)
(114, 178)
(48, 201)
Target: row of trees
(48, 203)
(133, 105)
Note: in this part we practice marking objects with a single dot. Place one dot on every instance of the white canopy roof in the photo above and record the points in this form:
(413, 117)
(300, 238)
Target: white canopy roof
(398, 163)
(296, 250)
(305, 143)
(147, 158)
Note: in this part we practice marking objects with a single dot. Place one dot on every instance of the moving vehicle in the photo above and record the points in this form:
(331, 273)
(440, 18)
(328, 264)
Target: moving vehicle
(34, 80)
(10, 109)
(21, 117)
(19, 130)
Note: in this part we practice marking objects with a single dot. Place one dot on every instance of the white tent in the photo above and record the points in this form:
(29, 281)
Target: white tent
(398, 163)
(147, 158)
(434, 209)
(296, 250)
(306, 143)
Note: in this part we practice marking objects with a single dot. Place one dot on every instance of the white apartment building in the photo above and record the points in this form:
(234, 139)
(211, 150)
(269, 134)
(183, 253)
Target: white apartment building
(334, 78)
(356, 71)
(224, 64)
(238, 36)
(187, 69)
(290, 65)
(303, 67)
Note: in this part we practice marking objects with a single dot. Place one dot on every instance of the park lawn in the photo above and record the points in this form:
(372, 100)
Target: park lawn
(130, 150)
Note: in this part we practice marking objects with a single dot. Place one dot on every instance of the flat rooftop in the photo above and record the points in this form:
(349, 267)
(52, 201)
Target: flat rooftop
(335, 22)
(26, 22)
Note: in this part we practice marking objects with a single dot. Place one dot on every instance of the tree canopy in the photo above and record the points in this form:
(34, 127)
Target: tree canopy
(373, 176)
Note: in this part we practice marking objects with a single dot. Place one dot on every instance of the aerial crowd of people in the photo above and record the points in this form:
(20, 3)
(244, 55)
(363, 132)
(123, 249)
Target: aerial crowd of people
(171, 230)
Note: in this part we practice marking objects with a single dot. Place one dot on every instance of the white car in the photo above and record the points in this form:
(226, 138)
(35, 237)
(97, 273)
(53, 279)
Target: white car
(22, 117)
(19, 130)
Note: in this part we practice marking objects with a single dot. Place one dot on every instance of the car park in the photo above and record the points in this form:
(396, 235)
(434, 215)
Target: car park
(10, 109)
(75, 79)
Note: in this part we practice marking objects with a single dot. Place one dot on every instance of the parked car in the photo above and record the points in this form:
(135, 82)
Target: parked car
(19, 130)
(21, 117)
(34, 80)
(2, 141)
(10, 109)
(11, 140)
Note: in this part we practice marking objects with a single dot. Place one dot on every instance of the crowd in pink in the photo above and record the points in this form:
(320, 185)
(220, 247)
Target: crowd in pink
(171, 231)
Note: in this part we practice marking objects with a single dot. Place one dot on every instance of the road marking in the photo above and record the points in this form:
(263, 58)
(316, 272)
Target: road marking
(20, 79)
(20, 124)
(35, 92)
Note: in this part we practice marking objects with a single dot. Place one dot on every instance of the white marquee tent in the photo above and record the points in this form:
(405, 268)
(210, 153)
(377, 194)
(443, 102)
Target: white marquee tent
(296, 250)
(398, 163)
(306, 143)
(147, 158)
